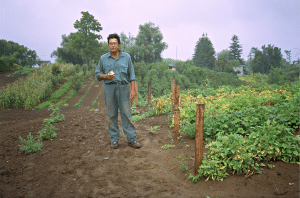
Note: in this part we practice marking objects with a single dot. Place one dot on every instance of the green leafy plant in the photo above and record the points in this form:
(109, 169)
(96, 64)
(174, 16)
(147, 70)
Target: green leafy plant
(134, 111)
(48, 131)
(183, 165)
(56, 70)
(153, 129)
(31, 145)
(167, 146)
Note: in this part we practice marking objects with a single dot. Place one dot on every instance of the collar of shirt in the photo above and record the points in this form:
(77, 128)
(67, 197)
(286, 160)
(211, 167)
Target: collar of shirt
(120, 54)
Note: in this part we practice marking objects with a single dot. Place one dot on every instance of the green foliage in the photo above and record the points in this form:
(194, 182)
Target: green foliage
(264, 60)
(236, 154)
(12, 53)
(183, 165)
(153, 129)
(85, 39)
(168, 146)
(83, 45)
(235, 49)
(76, 82)
(149, 42)
(55, 70)
(204, 53)
(48, 131)
(81, 99)
(31, 145)
(134, 111)
(277, 76)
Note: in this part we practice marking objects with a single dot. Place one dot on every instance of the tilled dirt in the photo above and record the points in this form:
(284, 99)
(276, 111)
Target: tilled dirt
(80, 162)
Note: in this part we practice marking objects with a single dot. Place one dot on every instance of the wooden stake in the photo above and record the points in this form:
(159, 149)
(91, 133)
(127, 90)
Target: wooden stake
(136, 98)
(176, 124)
(176, 99)
(176, 113)
(173, 91)
(199, 136)
(149, 92)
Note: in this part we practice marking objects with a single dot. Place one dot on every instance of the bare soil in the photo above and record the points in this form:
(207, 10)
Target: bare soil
(80, 162)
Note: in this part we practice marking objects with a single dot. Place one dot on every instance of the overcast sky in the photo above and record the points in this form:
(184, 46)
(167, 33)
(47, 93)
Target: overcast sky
(39, 24)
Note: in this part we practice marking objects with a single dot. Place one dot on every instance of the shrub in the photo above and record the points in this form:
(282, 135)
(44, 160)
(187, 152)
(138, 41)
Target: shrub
(277, 76)
(56, 70)
(54, 81)
(31, 145)
(76, 82)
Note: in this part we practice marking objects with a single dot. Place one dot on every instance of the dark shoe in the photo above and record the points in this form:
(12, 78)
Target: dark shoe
(134, 144)
(114, 145)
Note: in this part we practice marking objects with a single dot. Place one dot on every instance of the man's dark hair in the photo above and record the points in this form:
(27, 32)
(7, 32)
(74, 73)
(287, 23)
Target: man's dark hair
(113, 36)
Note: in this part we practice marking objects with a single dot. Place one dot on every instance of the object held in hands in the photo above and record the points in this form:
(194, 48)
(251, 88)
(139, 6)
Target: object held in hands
(111, 73)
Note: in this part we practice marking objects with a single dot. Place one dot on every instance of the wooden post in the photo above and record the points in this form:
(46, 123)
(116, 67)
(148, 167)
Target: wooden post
(176, 99)
(172, 91)
(131, 101)
(176, 113)
(136, 98)
(149, 92)
(176, 125)
(199, 136)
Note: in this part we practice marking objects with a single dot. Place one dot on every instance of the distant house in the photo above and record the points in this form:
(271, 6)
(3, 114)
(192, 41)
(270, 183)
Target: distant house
(239, 70)
(171, 66)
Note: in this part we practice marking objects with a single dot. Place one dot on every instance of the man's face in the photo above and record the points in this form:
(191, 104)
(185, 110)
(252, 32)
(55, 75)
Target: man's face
(113, 45)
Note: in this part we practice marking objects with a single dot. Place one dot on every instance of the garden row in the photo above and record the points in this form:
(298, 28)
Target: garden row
(39, 85)
(243, 127)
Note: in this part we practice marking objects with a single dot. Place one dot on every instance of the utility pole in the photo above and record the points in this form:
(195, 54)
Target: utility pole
(176, 53)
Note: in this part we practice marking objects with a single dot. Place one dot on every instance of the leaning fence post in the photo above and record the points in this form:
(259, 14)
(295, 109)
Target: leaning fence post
(149, 92)
(136, 98)
(176, 113)
(199, 136)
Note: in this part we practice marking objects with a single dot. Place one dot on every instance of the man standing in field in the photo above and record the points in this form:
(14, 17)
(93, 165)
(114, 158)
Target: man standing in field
(115, 68)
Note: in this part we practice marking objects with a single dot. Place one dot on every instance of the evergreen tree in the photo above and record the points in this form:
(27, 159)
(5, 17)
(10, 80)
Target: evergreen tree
(235, 49)
(204, 53)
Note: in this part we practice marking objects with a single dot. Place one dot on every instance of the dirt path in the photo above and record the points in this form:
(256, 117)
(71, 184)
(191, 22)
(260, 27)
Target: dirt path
(80, 162)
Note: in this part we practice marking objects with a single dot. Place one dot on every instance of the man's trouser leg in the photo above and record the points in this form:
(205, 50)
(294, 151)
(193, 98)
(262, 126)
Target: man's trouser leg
(111, 104)
(125, 111)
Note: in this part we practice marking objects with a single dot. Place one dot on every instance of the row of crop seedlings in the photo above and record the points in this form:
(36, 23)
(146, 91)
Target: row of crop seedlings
(29, 92)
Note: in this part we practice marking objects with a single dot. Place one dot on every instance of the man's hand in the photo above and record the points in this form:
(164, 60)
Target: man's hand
(110, 77)
(132, 94)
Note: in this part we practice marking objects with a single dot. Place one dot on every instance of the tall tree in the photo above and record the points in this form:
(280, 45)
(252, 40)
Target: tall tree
(269, 57)
(85, 39)
(126, 41)
(204, 53)
(235, 49)
(66, 53)
(224, 63)
(149, 42)
(12, 53)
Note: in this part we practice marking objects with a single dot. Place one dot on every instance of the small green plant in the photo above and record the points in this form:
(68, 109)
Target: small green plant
(169, 135)
(134, 111)
(153, 129)
(31, 145)
(48, 131)
(167, 146)
(55, 116)
(184, 166)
